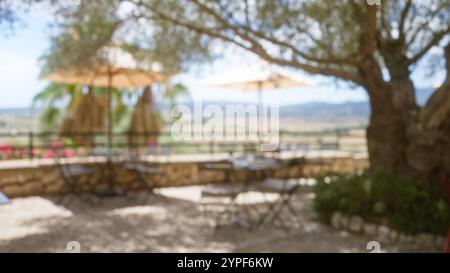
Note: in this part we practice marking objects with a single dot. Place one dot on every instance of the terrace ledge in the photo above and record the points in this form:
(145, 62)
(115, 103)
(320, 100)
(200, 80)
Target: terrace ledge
(188, 158)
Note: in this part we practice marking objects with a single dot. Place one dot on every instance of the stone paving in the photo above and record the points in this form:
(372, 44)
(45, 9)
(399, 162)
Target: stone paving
(171, 220)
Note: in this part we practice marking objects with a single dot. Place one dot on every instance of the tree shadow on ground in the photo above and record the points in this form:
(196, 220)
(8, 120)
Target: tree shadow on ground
(166, 224)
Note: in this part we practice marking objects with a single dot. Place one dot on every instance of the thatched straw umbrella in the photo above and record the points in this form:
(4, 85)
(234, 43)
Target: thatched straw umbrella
(87, 118)
(144, 126)
(110, 74)
(117, 70)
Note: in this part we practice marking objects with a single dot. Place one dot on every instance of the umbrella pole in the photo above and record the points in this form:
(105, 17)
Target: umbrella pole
(110, 136)
(259, 111)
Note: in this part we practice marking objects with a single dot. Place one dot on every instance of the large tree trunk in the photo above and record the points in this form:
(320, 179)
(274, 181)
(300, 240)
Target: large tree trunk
(430, 149)
(392, 112)
(404, 139)
(403, 142)
(392, 104)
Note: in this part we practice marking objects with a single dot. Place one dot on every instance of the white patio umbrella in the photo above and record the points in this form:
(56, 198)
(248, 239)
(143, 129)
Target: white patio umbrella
(264, 81)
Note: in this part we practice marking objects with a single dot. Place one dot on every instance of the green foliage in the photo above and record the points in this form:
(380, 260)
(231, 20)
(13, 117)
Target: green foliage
(84, 30)
(59, 99)
(404, 204)
(174, 92)
(51, 98)
(301, 34)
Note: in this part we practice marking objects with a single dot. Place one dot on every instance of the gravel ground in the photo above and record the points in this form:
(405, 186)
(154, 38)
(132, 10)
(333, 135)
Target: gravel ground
(171, 220)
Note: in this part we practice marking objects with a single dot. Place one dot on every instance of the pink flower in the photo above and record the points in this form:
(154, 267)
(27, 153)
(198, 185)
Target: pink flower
(56, 144)
(69, 153)
(48, 154)
(6, 151)
(82, 151)
(6, 148)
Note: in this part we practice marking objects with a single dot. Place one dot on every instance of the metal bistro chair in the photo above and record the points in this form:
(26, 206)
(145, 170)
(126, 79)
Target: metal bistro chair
(71, 174)
(142, 173)
(226, 194)
(221, 198)
(285, 189)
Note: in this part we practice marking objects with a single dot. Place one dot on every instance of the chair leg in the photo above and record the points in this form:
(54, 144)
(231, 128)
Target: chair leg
(286, 205)
(273, 216)
(270, 210)
(275, 209)
(143, 181)
(204, 209)
(249, 215)
(228, 210)
(60, 199)
(128, 192)
(295, 215)
(148, 187)
(68, 185)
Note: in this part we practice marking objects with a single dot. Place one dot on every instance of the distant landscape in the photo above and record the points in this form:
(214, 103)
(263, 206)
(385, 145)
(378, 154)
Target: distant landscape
(313, 116)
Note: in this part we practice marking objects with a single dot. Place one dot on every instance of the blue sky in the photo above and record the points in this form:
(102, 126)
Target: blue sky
(19, 73)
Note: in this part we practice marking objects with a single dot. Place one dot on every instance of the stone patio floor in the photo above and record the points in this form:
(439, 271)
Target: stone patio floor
(171, 220)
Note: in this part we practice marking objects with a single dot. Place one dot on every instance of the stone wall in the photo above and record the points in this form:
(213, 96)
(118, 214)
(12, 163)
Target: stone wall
(44, 179)
(384, 234)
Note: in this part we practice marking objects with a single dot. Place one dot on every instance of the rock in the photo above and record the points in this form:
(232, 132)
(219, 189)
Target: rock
(424, 240)
(344, 222)
(13, 191)
(393, 236)
(336, 220)
(409, 238)
(49, 178)
(402, 238)
(356, 224)
(54, 188)
(384, 233)
(439, 242)
(370, 229)
(21, 178)
(32, 188)
(8, 180)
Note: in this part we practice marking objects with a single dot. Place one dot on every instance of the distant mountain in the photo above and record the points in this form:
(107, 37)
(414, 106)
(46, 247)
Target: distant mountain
(19, 111)
(313, 111)
(22, 119)
(337, 112)
(327, 111)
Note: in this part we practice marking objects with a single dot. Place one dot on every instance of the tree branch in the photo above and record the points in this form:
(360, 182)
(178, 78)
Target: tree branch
(371, 30)
(244, 32)
(403, 17)
(433, 42)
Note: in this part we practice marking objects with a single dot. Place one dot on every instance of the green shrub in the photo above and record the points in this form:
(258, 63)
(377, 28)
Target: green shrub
(401, 203)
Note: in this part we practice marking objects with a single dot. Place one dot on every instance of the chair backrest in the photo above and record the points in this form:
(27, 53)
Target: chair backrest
(63, 170)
